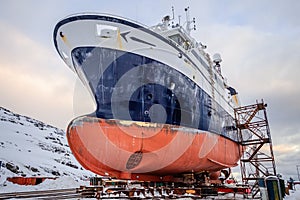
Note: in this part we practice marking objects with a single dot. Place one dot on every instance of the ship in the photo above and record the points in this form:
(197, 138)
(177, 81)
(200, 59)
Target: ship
(163, 107)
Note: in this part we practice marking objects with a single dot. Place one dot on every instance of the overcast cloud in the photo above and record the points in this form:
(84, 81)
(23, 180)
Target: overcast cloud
(259, 42)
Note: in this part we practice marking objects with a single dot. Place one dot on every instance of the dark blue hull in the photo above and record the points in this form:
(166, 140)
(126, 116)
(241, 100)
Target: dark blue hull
(129, 86)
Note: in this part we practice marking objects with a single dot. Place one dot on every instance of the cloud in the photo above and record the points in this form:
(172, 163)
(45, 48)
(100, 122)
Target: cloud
(283, 148)
(33, 79)
(262, 64)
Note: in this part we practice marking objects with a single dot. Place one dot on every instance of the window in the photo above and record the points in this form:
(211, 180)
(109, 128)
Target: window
(177, 38)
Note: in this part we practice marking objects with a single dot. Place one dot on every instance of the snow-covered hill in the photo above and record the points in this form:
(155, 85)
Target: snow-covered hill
(29, 147)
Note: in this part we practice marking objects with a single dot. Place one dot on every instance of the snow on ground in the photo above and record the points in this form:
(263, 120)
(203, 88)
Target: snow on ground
(294, 194)
(63, 182)
(29, 147)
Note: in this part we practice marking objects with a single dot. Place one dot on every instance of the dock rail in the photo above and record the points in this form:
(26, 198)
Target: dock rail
(43, 194)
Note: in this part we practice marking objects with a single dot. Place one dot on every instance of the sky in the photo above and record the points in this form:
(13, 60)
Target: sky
(259, 41)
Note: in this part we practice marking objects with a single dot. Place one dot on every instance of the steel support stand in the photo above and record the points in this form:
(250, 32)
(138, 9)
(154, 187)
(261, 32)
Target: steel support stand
(257, 158)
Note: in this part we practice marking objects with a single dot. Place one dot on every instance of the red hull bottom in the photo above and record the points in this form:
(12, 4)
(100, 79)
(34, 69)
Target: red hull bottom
(147, 151)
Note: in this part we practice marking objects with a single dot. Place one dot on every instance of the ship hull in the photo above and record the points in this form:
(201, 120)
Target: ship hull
(161, 110)
(147, 151)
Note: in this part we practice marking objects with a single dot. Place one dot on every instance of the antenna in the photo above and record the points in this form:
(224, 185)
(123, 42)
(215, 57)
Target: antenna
(194, 21)
(173, 13)
(188, 21)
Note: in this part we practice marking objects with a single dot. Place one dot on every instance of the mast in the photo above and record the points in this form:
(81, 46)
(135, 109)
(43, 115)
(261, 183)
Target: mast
(189, 22)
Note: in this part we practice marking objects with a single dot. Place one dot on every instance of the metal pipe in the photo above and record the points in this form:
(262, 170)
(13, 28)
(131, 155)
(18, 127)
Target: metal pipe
(298, 171)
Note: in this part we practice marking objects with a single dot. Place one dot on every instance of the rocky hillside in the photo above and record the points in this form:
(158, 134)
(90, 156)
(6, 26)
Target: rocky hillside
(29, 147)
